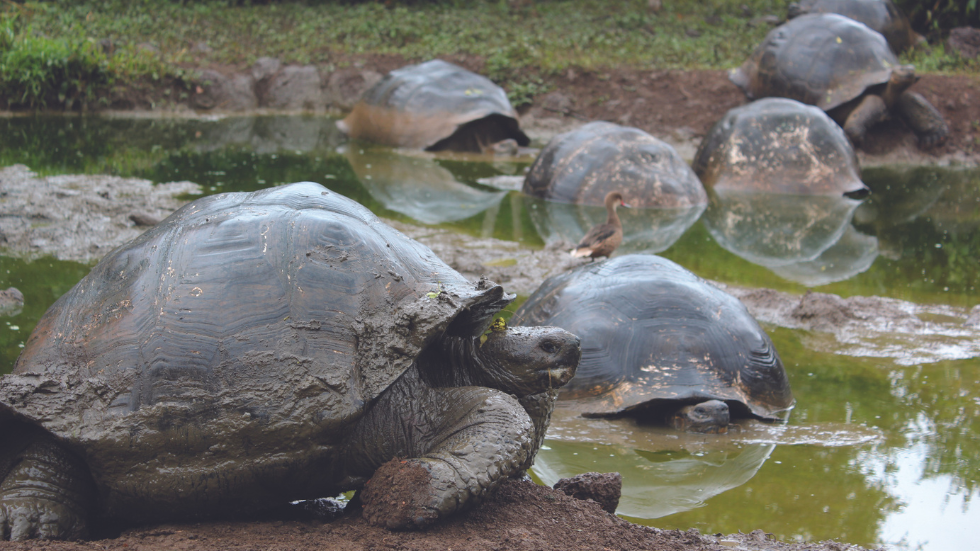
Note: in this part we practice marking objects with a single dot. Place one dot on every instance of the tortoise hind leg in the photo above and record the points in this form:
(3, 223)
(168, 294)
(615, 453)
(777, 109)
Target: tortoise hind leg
(447, 448)
(46, 491)
(923, 118)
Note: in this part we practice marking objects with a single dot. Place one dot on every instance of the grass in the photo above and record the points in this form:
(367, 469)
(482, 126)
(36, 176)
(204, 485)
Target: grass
(154, 38)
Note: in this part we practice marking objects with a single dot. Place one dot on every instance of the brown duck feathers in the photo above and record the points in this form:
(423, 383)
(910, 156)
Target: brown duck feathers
(603, 239)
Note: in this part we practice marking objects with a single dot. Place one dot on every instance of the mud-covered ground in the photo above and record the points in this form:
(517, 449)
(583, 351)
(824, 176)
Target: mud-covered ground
(83, 217)
(519, 516)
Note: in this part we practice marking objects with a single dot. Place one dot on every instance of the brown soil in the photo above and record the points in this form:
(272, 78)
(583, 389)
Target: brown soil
(520, 515)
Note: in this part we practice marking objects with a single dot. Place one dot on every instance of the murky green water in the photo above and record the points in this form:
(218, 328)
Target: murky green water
(879, 450)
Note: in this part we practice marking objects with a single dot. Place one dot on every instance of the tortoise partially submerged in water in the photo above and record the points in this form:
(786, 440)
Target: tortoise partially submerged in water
(259, 348)
(778, 145)
(584, 165)
(844, 68)
(661, 344)
(436, 106)
(879, 15)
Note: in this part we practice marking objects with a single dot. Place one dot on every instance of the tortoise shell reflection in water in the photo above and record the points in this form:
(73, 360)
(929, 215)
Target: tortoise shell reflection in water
(435, 106)
(656, 339)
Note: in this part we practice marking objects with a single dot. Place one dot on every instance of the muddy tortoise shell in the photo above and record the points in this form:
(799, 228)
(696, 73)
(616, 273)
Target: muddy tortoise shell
(879, 15)
(818, 59)
(583, 165)
(778, 145)
(241, 337)
(655, 336)
(434, 106)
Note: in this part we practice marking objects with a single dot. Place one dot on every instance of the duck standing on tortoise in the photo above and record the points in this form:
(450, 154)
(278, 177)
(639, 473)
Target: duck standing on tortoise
(255, 349)
(844, 68)
(436, 106)
(660, 344)
(603, 239)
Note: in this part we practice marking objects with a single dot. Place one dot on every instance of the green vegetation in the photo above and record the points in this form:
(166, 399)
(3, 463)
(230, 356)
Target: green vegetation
(66, 52)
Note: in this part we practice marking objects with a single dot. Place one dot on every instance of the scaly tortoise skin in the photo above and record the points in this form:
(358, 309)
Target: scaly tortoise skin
(661, 344)
(436, 106)
(844, 68)
(259, 348)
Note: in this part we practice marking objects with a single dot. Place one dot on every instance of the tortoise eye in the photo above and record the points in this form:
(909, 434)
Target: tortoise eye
(550, 347)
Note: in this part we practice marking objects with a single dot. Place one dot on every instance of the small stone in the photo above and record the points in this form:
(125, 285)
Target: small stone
(11, 301)
(603, 488)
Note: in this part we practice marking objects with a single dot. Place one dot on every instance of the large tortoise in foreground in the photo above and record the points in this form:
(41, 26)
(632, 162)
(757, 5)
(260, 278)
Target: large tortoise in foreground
(661, 344)
(844, 68)
(436, 106)
(259, 348)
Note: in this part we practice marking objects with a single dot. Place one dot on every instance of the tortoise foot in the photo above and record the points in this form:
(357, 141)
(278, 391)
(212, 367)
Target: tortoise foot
(25, 518)
(928, 141)
(403, 494)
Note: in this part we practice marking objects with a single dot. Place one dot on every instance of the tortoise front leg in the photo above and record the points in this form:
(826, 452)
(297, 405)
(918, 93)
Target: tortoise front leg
(870, 111)
(452, 446)
(923, 118)
(47, 492)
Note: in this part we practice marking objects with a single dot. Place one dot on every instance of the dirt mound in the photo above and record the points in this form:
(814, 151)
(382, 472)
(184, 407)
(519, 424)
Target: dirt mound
(519, 516)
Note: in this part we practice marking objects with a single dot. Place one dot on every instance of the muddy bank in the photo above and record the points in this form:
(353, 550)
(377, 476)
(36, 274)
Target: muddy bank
(520, 516)
(678, 106)
(79, 217)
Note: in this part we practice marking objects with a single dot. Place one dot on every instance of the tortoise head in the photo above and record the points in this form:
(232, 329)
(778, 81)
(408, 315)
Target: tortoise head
(711, 416)
(902, 77)
(529, 360)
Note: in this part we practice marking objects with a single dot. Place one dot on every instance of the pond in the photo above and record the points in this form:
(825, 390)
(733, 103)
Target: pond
(883, 446)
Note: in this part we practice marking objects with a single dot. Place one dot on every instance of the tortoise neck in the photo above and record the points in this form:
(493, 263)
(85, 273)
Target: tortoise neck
(453, 362)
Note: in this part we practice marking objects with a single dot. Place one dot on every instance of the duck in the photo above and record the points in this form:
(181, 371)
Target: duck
(603, 239)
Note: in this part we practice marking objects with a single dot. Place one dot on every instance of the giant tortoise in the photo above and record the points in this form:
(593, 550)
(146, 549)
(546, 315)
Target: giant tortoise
(844, 68)
(435, 106)
(259, 348)
(661, 344)
(584, 165)
(778, 145)
(880, 15)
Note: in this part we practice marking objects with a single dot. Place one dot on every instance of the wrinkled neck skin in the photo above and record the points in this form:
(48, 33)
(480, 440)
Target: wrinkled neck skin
(460, 361)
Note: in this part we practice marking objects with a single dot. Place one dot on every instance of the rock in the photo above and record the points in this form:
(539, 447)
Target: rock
(344, 87)
(224, 93)
(654, 6)
(295, 87)
(557, 102)
(11, 301)
(965, 40)
(264, 68)
(603, 488)
(973, 320)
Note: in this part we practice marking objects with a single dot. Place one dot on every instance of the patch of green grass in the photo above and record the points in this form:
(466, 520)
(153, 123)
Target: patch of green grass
(153, 38)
